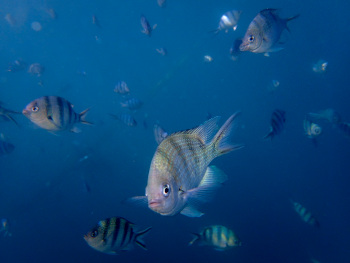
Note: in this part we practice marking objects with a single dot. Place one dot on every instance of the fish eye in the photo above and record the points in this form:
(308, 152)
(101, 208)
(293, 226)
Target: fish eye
(251, 38)
(94, 233)
(166, 190)
(35, 108)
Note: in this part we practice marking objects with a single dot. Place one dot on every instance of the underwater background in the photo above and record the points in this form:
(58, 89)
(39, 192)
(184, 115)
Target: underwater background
(51, 195)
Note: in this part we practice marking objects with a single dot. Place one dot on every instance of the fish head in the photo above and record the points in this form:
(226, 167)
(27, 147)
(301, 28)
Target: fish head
(252, 39)
(315, 129)
(36, 111)
(94, 237)
(163, 193)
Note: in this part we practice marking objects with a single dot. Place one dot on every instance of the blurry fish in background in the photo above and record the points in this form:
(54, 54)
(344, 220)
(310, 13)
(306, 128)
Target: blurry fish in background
(304, 214)
(95, 21)
(4, 227)
(320, 66)
(98, 39)
(86, 185)
(234, 49)
(161, 3)
(5, 146)
(36, 69)
(17, 65)
(121, 87)
(51, 12)
(208, 59)
(278, 120)
(115, 235)
(264, 32)
(10, 19)
(312, 130)
(273, 85)
(344, 127)
(162, 51)
(132, 104)
(147, 29)
(179, 178)
(125, 118)
(219, 237)
(54, 113)
(36, 26)
(228, 20)
(159, 133)
(328, 114)
(5, 114)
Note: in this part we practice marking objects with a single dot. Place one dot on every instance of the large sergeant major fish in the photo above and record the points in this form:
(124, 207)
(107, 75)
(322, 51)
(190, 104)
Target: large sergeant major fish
(54, 113)
(179, 175)
(305, 215)
(264, 32)
(277, 124)
(115, 235)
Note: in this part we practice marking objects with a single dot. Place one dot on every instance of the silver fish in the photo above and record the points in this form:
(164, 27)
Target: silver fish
(229, 20)
(125, 118)
(320, 66)
(161, 3)
(121, 88)
(264, 32)
(328, 114)
(305, 215)
(54, 113)
(17, 65)
(132, 104)
(277, 124)
(219, 237)
(114, 235)
(179, 175)
(147, 29)
(36, 69)
(311, 129)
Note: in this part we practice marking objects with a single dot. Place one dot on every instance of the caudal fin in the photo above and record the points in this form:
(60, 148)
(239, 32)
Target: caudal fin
(82, 116)
(221, 138)
(139, 235)
(195, 239)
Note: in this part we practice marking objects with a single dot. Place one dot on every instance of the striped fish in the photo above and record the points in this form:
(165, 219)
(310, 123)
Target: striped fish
(228, 20)
(219, 237)
(305, 215)
(5, 114)
(5, 147)
(54, 113)
(125, 118)
(147, 29)
(132, 104)
(121, 88)
(179, 176)
(114, 235)
(277, 124)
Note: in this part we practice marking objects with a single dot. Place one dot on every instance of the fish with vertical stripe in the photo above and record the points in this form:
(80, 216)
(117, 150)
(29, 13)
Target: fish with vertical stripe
(114, 235)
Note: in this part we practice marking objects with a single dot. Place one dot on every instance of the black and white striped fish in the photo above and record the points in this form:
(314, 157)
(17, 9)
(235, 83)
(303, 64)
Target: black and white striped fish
(132, 104)
(305, 215)
(5, 147)
(54, 113)
(121, 88)
(125, 118)
(114, 235)
(277, 123)
(219, 237)
(229, 20)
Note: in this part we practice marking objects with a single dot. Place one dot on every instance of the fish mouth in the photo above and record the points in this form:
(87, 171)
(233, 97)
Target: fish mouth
(243, 47)
(25, 112)
(154, 203)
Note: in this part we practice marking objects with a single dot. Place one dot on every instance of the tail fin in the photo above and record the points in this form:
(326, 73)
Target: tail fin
(139, 235)
(195, 239)
(270, 135)
(82, 116)
(221, 138)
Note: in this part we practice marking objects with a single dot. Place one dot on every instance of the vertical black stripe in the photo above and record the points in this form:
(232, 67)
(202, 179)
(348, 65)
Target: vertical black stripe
(125, 233)
(70, 113)
(48, 107)
(116, 230)
(60, 108)
(179, 151)
(105, 230)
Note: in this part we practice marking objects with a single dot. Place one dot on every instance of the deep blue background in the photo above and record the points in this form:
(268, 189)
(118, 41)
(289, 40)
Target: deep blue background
(42, 182)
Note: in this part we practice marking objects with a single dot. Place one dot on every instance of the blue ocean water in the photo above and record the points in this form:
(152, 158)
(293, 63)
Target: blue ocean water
(43, 181)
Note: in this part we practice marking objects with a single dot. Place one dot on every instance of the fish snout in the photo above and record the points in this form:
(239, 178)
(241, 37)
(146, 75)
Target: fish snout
(243, 47)
(25, 112)
(153, 203)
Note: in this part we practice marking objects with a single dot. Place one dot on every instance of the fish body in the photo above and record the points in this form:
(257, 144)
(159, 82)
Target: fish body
(54, 113)
(320, 66)
(278, 120)
(219, 237)
(125, 118)
(208, 59)
(234, 49)
(36, 69)
(17, 65)
(114, 235)
(311, 129)
(329, 115)
(121, 88)
(146, 28)
(305, 215)
(132, 104)
(161, 3)
(179, 176)
(4, 227)
(5, 147)
(229, 20)
(162, 51)
(264, 32)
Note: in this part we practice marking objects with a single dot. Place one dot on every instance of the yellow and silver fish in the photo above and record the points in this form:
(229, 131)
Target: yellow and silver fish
(54, 113)
(311, 129)
(305, 215)
(229, 20)
(114, 235)
(179, 176)
(320, 66)
(219, 237)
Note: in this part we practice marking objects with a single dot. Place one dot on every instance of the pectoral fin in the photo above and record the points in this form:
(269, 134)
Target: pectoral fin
(191, 211)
